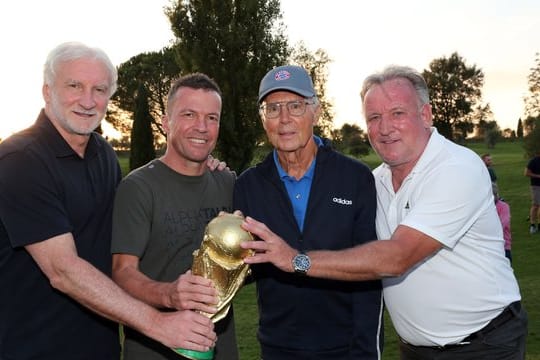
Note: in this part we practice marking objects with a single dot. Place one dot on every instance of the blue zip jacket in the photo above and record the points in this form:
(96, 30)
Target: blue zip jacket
(308, 318)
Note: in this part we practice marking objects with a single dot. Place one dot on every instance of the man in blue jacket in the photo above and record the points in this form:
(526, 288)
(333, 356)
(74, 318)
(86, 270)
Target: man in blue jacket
(314, 198)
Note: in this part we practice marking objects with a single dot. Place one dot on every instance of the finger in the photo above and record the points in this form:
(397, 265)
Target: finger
(212, 163)
(258, 258)
(222, 165)
(238, 212)
(254, 245)
(257, 227)
(199, 280)
(200, 338)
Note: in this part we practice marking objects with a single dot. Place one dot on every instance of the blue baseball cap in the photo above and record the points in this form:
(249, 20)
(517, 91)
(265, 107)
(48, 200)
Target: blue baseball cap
(288, 77)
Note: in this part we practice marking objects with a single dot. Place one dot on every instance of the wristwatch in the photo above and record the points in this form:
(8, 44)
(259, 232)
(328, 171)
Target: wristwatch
(301, 263)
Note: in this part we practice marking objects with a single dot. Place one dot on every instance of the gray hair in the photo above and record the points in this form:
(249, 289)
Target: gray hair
(394, 72)
(73, 51)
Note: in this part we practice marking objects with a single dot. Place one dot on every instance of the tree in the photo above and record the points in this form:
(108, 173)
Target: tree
(351, 140)
(481, 117)
(122, 121)
(235, 43)
(455, 89)
(532, 101)
(155, 71)
(492, 134)
(316, 65)
(519, 129)
(142, 138)
(531, 142)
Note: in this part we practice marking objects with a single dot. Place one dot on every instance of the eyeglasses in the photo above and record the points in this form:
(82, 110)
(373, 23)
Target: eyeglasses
(295, 108)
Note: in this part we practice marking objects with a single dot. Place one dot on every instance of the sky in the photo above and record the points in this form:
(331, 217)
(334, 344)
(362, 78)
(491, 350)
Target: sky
(501, 37)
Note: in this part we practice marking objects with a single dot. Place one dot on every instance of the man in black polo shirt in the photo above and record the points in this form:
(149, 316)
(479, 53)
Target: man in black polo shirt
(57, 184)
(533, 172)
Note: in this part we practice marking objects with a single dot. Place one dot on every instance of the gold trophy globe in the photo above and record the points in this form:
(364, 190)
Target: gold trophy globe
(221, 259)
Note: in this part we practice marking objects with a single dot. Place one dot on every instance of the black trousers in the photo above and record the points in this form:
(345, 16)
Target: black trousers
(502, 339)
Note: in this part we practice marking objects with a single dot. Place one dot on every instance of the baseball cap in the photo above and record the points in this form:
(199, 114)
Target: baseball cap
(288, 77)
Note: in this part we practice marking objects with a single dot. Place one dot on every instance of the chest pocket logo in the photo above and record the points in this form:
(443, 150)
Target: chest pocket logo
(342, 201)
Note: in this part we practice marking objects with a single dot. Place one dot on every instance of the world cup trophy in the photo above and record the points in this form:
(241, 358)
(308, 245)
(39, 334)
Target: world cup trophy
(220, 258)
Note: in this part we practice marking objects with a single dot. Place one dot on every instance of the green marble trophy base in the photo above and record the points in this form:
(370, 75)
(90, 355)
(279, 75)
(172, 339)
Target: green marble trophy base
(196, 355)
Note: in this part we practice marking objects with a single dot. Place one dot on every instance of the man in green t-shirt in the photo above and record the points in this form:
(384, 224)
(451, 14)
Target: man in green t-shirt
(160, 213)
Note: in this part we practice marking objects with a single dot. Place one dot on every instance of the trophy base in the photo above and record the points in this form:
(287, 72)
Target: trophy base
(196, 355)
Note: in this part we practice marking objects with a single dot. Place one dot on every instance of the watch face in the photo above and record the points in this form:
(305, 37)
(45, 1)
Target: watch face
(301, 263)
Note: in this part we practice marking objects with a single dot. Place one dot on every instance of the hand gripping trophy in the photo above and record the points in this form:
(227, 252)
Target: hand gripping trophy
(220, 258)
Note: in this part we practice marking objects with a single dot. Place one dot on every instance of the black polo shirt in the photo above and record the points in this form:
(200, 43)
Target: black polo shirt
(46, 189)
(534, 166)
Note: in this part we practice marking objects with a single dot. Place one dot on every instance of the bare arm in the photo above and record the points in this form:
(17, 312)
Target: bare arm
(529, 173)
(188, 292)
(57, 257)
(373, 260)
(376, 259)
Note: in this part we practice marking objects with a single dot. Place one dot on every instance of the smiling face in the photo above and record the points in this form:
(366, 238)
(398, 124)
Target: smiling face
(192, 127)
(289, 133)
(398, 126)
(77, 98)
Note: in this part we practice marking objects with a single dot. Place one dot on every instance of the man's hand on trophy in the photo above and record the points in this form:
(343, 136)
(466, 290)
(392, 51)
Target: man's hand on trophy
(269, 248)
(191, 330)
(193, 292)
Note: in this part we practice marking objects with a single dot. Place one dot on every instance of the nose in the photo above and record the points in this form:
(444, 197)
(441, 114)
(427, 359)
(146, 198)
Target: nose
(385, 125)
(201, 123)
(284, 116)
(87, 99)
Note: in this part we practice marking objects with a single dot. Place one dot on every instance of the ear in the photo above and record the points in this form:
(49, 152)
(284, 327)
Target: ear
(426, 115)
(316, 114)
(46, 92)
(165, 123)
(263, 122)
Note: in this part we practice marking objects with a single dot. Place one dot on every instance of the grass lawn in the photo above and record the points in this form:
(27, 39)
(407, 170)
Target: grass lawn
(509, 163)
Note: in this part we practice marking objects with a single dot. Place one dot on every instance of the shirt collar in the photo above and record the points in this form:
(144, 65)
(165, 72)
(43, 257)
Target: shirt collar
(58, 144)
(309, 173)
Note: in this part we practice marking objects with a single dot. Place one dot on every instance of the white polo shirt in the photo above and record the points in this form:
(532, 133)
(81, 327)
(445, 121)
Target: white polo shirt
(467, 283)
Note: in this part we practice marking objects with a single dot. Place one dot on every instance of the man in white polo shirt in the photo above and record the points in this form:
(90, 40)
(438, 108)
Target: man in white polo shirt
(448, 287)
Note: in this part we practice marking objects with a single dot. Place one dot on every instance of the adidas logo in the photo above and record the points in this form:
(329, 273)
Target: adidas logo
(342, 201)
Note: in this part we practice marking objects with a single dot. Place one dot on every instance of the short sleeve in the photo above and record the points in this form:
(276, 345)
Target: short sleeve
(31, 200)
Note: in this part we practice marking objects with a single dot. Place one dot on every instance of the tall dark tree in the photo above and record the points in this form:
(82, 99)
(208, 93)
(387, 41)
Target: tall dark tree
(155, 71)
(519, 129)
(317, 66)
(455, 89)
(235, 42)
(142, 137)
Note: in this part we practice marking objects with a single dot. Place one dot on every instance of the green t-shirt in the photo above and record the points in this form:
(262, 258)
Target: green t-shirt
(160, 217)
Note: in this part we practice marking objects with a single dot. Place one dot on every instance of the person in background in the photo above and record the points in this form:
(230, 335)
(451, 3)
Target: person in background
(503, 210)
(57, 184)
(533, 172)
(449, 290)
(489, 164)
(160, 214)
(315, 198)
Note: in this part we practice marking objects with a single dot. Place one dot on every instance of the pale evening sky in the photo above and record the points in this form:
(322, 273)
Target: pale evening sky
(499, 36)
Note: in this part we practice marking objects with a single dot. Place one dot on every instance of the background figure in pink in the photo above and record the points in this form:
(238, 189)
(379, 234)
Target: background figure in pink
(503, 209)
